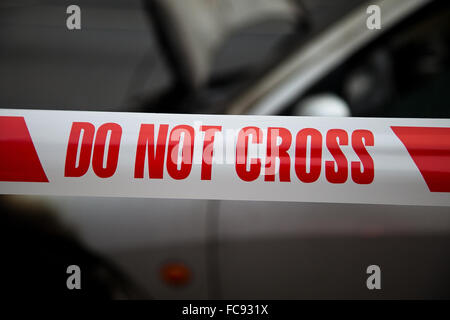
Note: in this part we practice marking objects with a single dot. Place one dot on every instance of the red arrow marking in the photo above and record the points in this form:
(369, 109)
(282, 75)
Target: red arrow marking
(18, 157)
(430, 150)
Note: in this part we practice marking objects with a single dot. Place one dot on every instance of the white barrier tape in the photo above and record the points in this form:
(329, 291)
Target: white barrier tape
(271, 158)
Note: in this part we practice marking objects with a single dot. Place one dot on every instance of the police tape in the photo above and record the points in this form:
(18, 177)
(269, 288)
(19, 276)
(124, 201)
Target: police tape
(270, 158)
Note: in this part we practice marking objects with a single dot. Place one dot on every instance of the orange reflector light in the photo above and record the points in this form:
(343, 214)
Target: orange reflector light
(176, 274)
